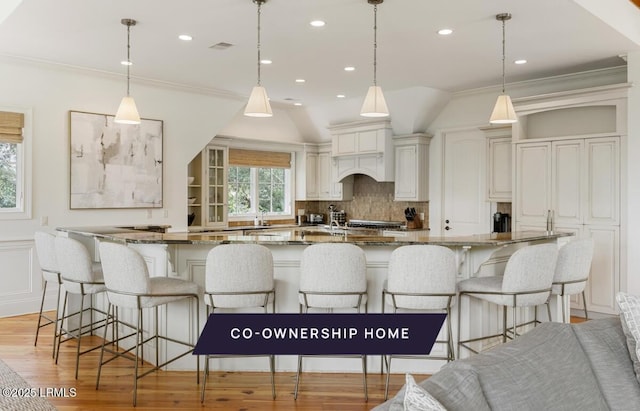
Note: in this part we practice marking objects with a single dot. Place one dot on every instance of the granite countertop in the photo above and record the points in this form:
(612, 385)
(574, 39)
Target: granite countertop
(307, 235)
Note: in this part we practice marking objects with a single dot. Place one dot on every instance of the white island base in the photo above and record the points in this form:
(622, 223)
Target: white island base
(187, 261)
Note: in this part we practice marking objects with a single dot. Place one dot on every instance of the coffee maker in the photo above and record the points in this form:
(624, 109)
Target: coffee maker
(501, 223)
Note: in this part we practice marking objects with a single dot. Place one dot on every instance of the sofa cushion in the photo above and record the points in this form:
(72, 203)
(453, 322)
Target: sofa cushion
(545, 369)
(630, 318)
(604, 343)
(417, 398)
(455, 389)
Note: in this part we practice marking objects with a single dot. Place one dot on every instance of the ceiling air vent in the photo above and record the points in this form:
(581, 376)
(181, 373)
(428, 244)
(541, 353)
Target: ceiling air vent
(221, 46)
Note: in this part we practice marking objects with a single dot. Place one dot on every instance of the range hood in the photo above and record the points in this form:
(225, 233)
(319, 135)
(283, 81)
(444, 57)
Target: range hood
(363, 147)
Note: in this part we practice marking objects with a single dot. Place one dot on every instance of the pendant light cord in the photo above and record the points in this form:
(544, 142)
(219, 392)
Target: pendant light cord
(128, 55)
(503, 55)
(375, 44)
(259, 11)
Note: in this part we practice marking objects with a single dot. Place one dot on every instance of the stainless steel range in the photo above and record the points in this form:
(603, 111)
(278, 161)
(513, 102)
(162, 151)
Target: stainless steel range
(380, 225)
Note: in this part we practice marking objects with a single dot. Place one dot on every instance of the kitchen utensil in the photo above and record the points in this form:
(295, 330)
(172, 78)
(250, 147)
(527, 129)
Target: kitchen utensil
(407, 214)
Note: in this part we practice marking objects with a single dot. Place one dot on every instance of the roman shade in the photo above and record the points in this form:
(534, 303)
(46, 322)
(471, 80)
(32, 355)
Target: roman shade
(255, 158)
(11, 125)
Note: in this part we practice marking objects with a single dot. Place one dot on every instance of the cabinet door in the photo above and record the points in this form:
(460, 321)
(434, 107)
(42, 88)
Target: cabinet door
(604, 279)
(216, 186)
(406, 186)
(602, 188)
(566, 170)
(323, 176)
(533, 182)
(311, 172)
(499, 170)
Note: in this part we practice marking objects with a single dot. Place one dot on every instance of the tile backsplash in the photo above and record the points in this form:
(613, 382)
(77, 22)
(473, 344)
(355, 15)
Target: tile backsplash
(371, 201)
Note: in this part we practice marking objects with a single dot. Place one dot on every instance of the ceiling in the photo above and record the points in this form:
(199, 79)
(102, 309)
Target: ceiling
(555, 36)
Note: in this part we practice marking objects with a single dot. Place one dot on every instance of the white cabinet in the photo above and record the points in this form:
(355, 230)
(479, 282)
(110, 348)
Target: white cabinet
(215, 186)
(360, 142)
(209, 188)
(578, 180)
(411, 167)
(321, 176)
(324, 175)
(498, 163)
(311, 191)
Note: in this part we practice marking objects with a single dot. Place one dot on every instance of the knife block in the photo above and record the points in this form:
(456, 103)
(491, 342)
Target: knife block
(414, 224)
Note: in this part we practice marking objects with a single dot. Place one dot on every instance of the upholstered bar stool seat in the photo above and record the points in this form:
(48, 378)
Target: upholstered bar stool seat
(572, 272)
(129, 286)
(526, 283)
(46, 250)
(421, 277)
(239, 276)
(80, 276)
(333, 276)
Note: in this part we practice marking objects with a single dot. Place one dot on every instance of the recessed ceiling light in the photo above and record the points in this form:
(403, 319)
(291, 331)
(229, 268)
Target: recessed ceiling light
(265, 61)
(185, 37)
(445, 32)
(341, 96)
(300, 80)
(297, 104)
(349, 68)
(521, 61)
(126, 63)
(317, 23)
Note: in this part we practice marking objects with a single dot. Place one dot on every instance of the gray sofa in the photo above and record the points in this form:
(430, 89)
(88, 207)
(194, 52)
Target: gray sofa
(555, 366)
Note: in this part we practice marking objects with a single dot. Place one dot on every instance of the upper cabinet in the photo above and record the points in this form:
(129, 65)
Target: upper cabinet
(498, 163)
(320, 180)
(363, 147)
(411, 167)
(208, 191)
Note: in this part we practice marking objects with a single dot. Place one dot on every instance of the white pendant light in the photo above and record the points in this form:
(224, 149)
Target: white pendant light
(258, 104)
(503, 112)
(128, 112)
(374, 104)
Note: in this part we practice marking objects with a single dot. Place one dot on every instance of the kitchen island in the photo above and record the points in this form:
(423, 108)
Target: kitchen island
(183, 255)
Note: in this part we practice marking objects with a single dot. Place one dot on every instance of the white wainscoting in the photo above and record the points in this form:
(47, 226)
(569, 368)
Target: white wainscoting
(21, 280)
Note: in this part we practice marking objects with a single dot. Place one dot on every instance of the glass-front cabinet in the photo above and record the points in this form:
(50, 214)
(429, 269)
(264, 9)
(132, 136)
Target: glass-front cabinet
(207, 188)
(215, 189)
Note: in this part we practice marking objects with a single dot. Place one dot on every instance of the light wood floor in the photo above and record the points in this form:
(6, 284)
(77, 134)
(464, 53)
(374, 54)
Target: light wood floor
(166, 390)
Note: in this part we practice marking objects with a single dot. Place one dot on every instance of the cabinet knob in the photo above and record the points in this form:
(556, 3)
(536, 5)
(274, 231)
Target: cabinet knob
(447, 228)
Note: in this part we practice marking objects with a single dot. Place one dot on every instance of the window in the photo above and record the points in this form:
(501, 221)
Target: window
(8, 176)
(258, 190)
(259, 182)
(15, 158)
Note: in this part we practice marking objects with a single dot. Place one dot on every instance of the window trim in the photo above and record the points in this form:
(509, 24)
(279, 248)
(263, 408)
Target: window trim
(24, 186)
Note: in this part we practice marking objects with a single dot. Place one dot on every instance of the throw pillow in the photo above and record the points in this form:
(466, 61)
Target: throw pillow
(417, 398)
(630, 317)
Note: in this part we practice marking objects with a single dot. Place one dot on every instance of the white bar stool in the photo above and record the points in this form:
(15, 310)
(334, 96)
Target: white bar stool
(421, 277)
(333, 275)
(239, 276)
(80, 276)
(526, 283)
(129, 286)
(46, 250)
(572, 271)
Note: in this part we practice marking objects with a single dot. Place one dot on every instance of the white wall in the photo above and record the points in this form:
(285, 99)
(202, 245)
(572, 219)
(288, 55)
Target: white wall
(632, 241)
(191, 119)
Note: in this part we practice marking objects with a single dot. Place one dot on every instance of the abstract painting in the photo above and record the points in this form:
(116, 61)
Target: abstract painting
(114, 165)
